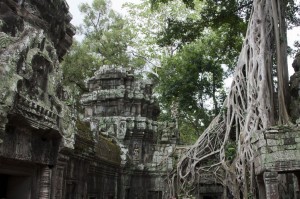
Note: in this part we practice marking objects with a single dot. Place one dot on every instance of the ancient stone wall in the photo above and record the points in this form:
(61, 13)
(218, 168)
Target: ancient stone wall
(277, 161)
(34, 36)
(93, 169)
(44, 153)
(35, 124)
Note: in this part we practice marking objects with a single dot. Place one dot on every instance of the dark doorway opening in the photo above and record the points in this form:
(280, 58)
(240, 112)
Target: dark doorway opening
(3, 185)
(155, 195)
(127, 194)
(15, 187)
(209, 197)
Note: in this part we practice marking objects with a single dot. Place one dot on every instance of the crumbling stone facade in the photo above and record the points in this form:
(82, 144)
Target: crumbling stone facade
(123, 108)
(44, 152)
(92, 169)
(35, 124)
(120, 151)
(277, 162)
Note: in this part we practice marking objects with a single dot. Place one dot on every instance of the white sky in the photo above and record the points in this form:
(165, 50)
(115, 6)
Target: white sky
(117, 5)
(77, 17)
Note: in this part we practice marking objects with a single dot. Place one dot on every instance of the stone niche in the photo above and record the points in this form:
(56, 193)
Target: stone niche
(35, 124)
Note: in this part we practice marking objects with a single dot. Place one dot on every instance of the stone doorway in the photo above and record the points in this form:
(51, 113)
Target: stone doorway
(155, 195)
(15, 187)
(208, 197)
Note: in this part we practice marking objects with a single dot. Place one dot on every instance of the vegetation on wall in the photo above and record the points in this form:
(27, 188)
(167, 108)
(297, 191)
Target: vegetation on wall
(249, 106)
(189, 47)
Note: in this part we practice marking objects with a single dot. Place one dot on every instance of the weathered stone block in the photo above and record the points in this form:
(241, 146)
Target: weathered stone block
(271, 142)
(292, 134)
(290, 147)
(289, 141)
(297, 140)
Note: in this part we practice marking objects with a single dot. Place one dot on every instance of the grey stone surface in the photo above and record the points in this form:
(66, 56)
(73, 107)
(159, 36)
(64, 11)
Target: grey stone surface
(35, 124)
(123, 108)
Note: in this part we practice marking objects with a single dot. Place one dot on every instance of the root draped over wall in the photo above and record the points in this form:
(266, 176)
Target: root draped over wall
(248, 108)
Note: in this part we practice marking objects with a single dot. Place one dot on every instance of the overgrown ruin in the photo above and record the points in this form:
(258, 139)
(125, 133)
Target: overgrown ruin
(118, 149)
(35, 124)
(123, 109)
(250, 149)
(45, 152)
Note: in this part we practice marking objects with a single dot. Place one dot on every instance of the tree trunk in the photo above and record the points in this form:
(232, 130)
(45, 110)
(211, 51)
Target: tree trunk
(247, 109)
(278, 8)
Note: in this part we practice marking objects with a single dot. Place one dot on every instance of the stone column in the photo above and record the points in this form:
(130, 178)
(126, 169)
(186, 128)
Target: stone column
(58, 177)
(261, 187)
(139, 109)
(271, 184)
(45, 183)
(116, 186)
(297, 185)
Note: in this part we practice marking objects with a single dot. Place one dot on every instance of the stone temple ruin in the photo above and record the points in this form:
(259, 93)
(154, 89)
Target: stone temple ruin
(276, 156)
(119, 150)
(123, 110)
(35, 125)
(44, 152)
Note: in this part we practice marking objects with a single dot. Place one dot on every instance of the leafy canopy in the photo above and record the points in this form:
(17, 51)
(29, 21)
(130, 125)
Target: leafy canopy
(193, 78)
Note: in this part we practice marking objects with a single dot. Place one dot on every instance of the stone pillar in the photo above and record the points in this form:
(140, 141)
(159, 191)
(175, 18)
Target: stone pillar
(45, 183)
(139, 109)
(271, 184)
(58, 177)
(261, 187)
(116, 186)
(297, 185)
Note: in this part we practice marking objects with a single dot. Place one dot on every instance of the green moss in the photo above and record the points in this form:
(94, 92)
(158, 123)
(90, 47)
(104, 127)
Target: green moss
(108, 150)
(105, 148)
(84, 129)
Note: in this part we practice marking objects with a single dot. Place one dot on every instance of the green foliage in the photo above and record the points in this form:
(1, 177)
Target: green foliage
(250, 196)
(146, 24)
(233, 14)
(188, 63)
(292, 13)
(230, 151)
(156, 3)
(78, 64)
(192, 78)
(108, 35)
(214, 14)
(188, 134)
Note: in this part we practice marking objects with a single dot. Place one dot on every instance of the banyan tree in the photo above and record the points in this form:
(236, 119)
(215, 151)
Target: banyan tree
(223, 153)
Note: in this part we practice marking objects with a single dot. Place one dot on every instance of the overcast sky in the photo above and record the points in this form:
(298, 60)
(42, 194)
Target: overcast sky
(77, 17)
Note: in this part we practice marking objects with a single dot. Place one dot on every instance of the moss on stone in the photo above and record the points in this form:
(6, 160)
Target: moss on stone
(108, 150)
(84, 130)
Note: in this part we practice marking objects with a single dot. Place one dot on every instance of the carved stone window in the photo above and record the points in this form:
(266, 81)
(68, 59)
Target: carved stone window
(41, 69)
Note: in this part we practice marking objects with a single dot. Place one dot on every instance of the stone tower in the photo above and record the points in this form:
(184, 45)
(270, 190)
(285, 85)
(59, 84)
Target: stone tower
(122, 107)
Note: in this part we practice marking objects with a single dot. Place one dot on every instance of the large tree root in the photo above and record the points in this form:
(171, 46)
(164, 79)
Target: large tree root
(248, 108)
